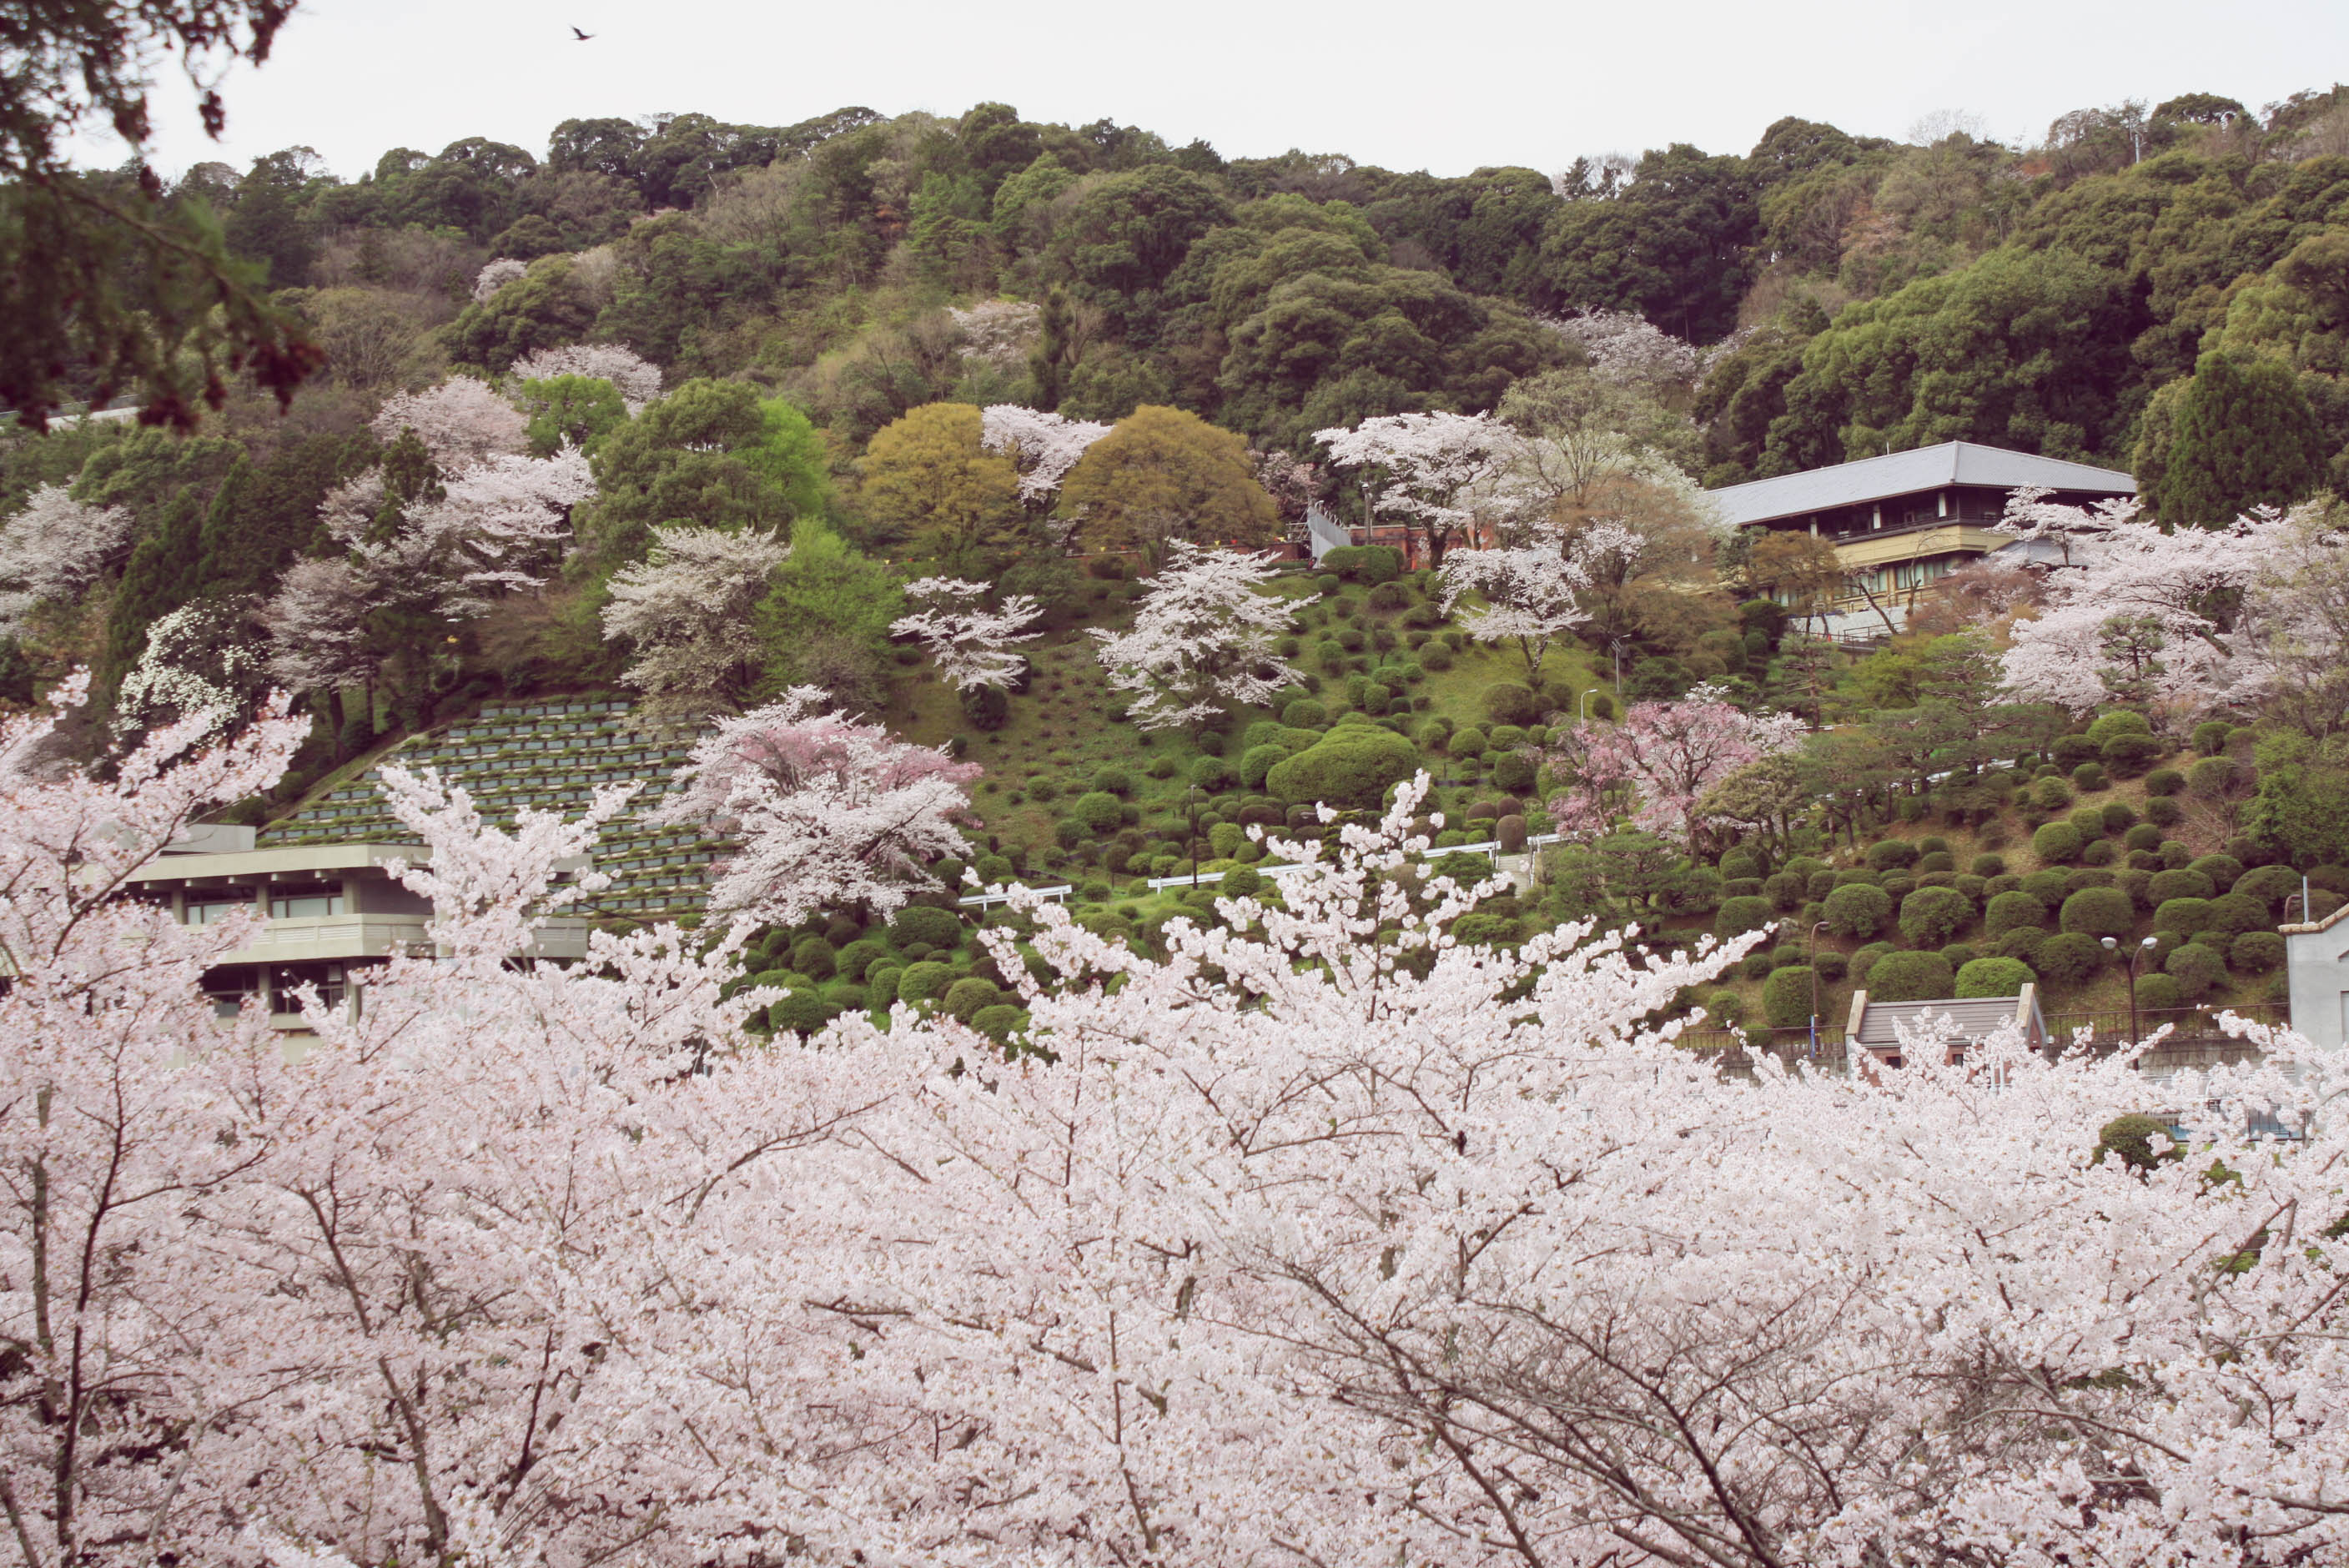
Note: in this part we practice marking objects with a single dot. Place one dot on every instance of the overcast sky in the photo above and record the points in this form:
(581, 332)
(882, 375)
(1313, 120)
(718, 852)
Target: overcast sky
(1430, 86)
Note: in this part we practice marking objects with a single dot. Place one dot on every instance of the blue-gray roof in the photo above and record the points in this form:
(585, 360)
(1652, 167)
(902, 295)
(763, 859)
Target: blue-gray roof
(1906, 473)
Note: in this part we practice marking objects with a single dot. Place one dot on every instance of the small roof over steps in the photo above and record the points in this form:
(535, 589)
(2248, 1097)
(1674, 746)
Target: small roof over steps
(1876, 1026)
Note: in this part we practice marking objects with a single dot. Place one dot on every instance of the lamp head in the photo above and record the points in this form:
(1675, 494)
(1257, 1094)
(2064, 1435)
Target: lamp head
(2110, 943)
(2150, 942)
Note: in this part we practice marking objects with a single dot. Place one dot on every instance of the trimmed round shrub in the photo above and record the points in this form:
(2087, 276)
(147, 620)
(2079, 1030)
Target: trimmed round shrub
(2182, 915)
(2163, 781)
(2256, 953)
(814, 957)
(1510, 833)
(1937, 861)
(1865, 959)
(1215, 773)
(2163, 811)
(986, 708)
(1258, 760)
(801, 1012)
(2233, 914)
(2175, 856)
(1113, 782)
(2224, 871)
(2198, 970)
(2012, 910)
(2212, 776)
(2099, 854)
(999, 1023)
(1507, 702)
(1305, 714)
(924, 982)
(2017, 943)
(2098, 911)
(1994, 977)
(1737, 916)
(1892, 854)
(2210, 736)
(1351, 768)
(1098, 811)
(1831, 966)
(2050, 887)
(1468, 741)
(1989, 865)
(2118, 721)
(1514, 772)
(2090, 776)
(1959, 953)
(1438, 657)
(920, 922)
(2129, 1139)
(2117, 817)
(1931, 915)
(1857, 909)
(2050, 795)
(2067, 958)
(1786, 997)
(1388, 596)
(1910, 977)
(2168, 885)
(859, 956)
(1784, 889)
(1726, 1008)
(2056, 843)
(966, 996)
(2144, 836)
(1163, 766)
(2130, 755)
(2159, 993)
(881, 984)
(2267, 885)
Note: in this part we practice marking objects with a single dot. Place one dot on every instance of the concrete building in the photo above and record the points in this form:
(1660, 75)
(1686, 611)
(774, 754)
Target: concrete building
(2316, 971)
(1901, 521)
(327, 911)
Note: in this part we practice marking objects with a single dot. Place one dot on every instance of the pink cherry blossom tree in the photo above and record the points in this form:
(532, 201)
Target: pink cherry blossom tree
(1044, 446)
(1202, 639)
(1625, 349)
(969, 644)
(494, 276)
(462, 421)
(52, 548)
(1655, 765)
(686, 611)
(1423, 469)
(828, 810)
(637, 379)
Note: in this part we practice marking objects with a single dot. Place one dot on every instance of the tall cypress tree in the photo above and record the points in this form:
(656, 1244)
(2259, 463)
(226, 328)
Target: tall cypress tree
(2243, 436)
(161, 575)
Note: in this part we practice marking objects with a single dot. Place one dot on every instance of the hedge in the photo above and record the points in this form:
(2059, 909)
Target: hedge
(2256, 952)
(1910, 977)
(1994, 977)
(1931, 915)
(1786, 997)
(920, 922)
(1372, 563)
(2098, 912)
(1350, 768)
(2056, 843)
(2012, 911)
(1857, 909)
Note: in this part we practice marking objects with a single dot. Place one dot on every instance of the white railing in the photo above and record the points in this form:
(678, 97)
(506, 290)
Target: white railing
(1490, 849)
(981, 900)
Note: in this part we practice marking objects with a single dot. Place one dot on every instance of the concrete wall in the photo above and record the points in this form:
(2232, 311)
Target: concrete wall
(2317, 961)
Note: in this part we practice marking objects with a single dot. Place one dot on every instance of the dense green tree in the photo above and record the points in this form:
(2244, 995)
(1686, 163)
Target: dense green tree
(1162, 475)
(711, 453)
(546, 307)
(928, 482)
(2240, 436)
(1671, 247)
(579, 410)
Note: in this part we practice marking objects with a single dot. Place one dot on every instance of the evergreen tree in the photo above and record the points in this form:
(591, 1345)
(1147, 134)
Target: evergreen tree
(160, 577)
(2242, 436)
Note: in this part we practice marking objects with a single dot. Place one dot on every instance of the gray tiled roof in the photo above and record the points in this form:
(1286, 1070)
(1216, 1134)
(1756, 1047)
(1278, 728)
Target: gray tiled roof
(1906, 473)
(1975, 1017)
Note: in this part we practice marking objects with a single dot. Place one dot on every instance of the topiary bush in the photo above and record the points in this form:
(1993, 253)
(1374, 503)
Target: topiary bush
(1910, 977)
(2130, 755)
(2098, 912)
(2129, 1139)
(814, 957)
(1892, 854)
(1786, 997)
(1737, 916)
(2268, 885)
(2256, 953)
(966, 996)
(1726, 1008)
(2163, 811)
(1994, 977)
(1215, 773)
(2057, 843)
(1351, 768)
(1514, 772)
(1098, 811)
(2012, 910)
(2067, 958)
(2233, 914)
(1305, 714)
(2159, 992)
(801, 1012)
(2182, 915)
(1989, 865)
(2090, 776)
(2017, 942)
(1507, 702)
(1931, 915)
(1372, 563)
(1857, 909)
(2168, 885)
(2198, 970)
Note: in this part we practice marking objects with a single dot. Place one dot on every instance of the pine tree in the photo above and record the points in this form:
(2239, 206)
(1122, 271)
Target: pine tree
(2244, 436)
(160, 575)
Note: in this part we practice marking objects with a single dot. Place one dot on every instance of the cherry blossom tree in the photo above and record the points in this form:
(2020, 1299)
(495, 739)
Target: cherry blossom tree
(1044, 446)
(2032, 518)
(969, 644)
(686, 610)
(317, 622)
(1529, 592)
(638, 380)
(1655, 765)
(201, 664)
(1423, 469)
(1625, 349)
(1202, 639)
(829, 810)
(462, 421)
(495, 275)
(53, 549)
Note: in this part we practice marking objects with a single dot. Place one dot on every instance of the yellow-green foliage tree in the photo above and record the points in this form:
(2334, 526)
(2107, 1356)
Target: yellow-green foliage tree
(1164, 475)
(929, 485)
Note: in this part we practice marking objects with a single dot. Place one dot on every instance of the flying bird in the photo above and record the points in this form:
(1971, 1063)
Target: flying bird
(582, 37)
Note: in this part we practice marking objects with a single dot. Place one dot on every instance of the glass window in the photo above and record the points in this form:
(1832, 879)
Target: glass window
(212, 908)
(306, 903)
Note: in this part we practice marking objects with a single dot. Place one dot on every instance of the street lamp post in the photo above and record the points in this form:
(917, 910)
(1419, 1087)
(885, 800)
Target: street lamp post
(1582, 707)
(1816, 926)
(1193, 806)
(2140, 950)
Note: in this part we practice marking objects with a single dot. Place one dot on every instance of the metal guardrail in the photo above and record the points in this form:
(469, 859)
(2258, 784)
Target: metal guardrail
(981, 900)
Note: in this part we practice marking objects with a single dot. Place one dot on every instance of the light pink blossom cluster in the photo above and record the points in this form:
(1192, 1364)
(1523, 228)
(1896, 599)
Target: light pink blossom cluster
(637, 379)
(1202, 639)
(52, 548)
(1529, 593)
(495, 275)
(687, 610)
(828, 808)
(1624, 347)
(462, 421)
(1653, 766)
(1325, 1237)
(1425, 467)
(969, 644)
(1044, 446)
